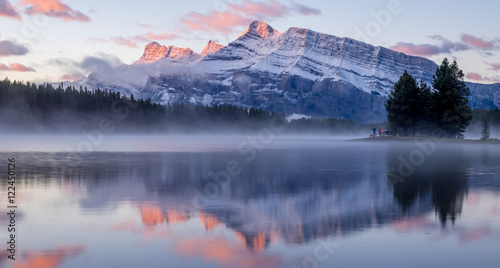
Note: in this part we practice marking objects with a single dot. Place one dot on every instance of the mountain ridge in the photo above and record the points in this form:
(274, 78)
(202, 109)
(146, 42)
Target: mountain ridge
(297, 71)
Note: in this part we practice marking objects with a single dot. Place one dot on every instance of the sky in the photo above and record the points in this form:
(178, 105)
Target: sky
(65, 40)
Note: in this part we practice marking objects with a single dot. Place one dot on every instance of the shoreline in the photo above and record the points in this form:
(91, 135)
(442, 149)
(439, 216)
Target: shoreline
(427, 139)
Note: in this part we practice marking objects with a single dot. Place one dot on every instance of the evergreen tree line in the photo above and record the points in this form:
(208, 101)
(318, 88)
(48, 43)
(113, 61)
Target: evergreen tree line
(25, 106)
(484, 121)
(415, 109)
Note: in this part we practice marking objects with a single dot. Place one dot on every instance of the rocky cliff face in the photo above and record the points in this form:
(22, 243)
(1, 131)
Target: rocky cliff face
(211, 48)
(298, 71)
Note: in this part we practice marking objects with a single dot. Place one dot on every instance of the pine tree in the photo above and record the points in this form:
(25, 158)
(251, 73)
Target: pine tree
(406, 105)
(450, 113)
(485, 132)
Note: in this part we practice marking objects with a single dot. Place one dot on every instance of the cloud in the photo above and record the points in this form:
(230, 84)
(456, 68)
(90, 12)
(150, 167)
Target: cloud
(75, 70)
(7, 10)
(494, 66)
(72, 77)
(162, 36)
(232, 15)
(9, 48)
(260, 10)
(124, 42)
(476, 42)
(445, 46)
(214, 22)
(101, 63)
(53, 8)
(132, 41)
(16, 67)
(477, 77)
(474, 76)
(97, 40)
(305, 10)
(423, 50)
(148, 26)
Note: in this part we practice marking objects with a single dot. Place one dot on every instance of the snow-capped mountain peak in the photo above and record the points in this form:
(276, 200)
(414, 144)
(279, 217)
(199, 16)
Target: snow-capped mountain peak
(154, 52)
(260, 30)
(298, 71)
(211, 48)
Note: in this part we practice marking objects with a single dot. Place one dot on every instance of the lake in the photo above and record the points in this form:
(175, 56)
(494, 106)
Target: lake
(173, 201)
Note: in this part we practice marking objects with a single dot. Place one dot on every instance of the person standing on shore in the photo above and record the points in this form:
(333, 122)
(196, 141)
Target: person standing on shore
(380, 131)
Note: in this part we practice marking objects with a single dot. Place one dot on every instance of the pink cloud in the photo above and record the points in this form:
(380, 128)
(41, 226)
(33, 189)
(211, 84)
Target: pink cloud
(261, 10)
(16, 67)
(124, 42)
(72, 77)
(145, 25)
(53, 8)
(214, 22)
(162, 36)
(423, 50)
(479, 78)
(7, 10)
(474, 76)
(476, 42)
(494, 66)
(133, 41)
(234, 15)
(97, 40)
(445, 46)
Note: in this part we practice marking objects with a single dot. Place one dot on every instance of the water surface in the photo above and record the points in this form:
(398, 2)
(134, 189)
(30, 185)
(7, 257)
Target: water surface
(288, 203)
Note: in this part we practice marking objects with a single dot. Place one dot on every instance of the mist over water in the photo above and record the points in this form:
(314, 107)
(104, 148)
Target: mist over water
(250, 201)
(94, 141)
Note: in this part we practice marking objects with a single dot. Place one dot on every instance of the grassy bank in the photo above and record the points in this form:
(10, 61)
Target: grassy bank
(428, 139)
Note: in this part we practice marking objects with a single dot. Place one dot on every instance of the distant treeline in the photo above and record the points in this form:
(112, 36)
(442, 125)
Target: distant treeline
(491, 116)
(485, 121)
(27, 106)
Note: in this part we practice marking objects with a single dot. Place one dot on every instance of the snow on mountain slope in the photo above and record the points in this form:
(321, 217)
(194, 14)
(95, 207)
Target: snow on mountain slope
(298, 71)
(314, 55)
(211, 48)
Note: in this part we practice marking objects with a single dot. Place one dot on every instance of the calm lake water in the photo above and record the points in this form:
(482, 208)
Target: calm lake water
(287, 203)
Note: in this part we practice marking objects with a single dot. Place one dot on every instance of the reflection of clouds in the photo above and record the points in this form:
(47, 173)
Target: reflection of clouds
(225, 253)
(130, 227)
(124, 226)
(50, 258)
(477, 221)
(413, 223)
(473, 235)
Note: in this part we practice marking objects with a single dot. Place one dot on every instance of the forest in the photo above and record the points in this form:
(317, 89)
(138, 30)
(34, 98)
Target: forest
(28, 107)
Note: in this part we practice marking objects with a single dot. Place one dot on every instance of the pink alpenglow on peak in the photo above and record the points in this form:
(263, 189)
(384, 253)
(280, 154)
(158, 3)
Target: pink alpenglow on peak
(154, 52)
(259, 29)
(211, 48)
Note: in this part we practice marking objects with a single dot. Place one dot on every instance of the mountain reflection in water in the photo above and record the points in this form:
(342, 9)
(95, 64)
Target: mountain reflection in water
(280, 202)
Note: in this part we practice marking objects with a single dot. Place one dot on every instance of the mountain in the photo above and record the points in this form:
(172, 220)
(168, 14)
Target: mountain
(211, 48)
(298, 71)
